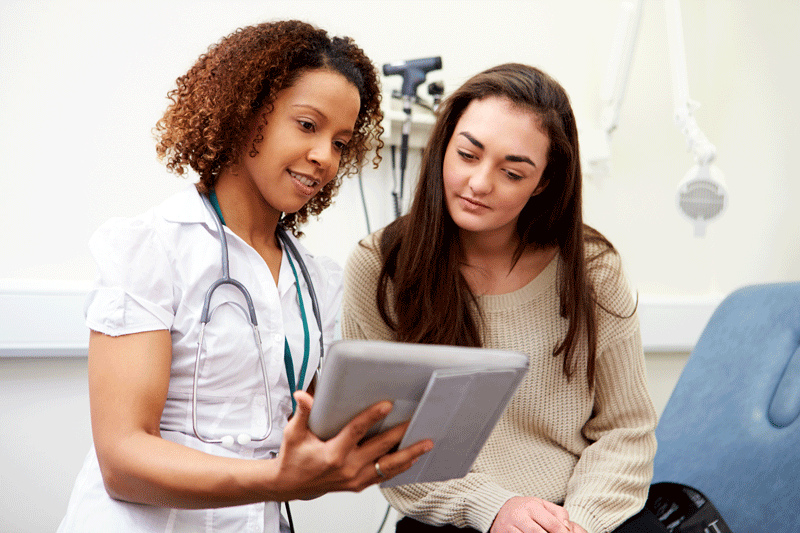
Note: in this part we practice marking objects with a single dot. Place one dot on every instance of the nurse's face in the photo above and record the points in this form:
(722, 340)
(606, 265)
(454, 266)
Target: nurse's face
(492, 166)
(310, 124)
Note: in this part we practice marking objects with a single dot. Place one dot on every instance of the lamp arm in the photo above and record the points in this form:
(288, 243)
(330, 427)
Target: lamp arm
(696, 142)
(612, 91)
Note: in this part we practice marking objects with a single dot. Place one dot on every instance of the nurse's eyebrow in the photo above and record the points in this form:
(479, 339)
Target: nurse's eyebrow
(320, 113)
(513, 158)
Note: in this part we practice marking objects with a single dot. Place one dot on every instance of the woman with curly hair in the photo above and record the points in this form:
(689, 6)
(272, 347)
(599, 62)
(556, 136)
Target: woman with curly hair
(271, 118)
(494, 253)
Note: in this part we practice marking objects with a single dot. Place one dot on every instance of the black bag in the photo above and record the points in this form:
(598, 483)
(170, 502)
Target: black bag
(683, 509)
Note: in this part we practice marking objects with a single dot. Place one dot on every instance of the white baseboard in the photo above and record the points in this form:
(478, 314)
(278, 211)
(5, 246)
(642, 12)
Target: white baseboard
(45, 319)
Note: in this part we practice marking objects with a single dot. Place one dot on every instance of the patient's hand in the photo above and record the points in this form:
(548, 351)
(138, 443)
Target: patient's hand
(529, 514)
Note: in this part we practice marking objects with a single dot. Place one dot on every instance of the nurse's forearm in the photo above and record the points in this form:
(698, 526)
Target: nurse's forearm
(147, 469)
(150, 470)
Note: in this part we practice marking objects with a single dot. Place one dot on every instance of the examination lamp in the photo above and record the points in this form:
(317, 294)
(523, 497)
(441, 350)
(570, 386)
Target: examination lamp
(702, 194)
(413, 72)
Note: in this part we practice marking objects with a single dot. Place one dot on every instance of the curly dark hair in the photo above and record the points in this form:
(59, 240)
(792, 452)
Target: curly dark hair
(216, 103)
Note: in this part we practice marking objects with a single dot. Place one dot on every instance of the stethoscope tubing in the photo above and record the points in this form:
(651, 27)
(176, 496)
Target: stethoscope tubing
(284, 237)
(206, 317)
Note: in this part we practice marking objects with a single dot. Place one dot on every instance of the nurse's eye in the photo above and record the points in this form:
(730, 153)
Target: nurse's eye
(307, 125)
(465, 155)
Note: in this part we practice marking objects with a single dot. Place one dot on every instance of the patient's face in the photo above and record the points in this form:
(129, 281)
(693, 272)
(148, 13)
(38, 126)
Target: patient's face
(492, 166)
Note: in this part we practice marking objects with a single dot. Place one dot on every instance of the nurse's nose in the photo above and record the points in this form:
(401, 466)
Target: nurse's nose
(321, 153)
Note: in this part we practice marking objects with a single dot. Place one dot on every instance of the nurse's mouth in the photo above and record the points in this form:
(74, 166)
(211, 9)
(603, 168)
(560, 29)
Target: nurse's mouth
(304, 183)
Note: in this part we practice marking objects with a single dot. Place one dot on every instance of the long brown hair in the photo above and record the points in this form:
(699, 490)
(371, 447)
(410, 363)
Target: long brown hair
(431, 301)
(233, 85)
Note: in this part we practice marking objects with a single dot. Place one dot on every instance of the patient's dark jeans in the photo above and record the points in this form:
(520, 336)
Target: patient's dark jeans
(644, 522)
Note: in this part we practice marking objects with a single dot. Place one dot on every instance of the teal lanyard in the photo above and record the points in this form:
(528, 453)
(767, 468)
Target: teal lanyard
(287, 352)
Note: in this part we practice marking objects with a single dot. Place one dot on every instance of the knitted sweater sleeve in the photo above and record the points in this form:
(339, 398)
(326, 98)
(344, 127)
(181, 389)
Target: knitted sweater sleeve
(360, 318)
(612, 476)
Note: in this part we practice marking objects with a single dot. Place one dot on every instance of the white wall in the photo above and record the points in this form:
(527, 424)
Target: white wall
(83, 82)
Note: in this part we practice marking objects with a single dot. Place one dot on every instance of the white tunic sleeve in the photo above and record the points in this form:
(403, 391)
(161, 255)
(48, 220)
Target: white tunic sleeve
(133, 291)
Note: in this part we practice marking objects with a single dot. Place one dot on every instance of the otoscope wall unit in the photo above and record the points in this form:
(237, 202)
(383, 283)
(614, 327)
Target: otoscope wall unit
(394, 117)
(413, 73)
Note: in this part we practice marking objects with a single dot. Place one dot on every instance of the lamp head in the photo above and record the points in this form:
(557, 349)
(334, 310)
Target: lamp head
(702, 196)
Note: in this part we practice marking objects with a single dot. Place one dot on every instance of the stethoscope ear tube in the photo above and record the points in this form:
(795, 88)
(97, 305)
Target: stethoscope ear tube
(205, 317)
(243, 438)
(284, 237)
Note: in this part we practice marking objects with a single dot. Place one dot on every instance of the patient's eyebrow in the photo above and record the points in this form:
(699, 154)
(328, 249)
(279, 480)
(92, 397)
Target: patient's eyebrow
(513, 158)
(520, 159)
(472, 139)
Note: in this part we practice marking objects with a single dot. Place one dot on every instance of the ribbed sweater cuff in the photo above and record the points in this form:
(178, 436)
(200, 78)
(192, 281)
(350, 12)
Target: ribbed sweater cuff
(485, 505)
(585, 519)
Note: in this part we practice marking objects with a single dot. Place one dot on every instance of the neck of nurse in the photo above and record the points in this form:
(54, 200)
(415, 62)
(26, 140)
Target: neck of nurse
(246, 213)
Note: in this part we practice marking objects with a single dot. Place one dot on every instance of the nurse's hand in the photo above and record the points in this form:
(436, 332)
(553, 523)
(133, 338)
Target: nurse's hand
(308, 467)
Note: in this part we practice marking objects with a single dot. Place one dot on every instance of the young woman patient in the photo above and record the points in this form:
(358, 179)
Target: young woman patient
(494, 253)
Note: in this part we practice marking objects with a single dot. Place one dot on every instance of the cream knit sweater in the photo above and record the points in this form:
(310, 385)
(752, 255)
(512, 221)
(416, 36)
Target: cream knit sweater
(589, 451)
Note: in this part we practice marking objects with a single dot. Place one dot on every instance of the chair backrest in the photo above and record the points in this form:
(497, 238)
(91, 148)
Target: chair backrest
(731, 426)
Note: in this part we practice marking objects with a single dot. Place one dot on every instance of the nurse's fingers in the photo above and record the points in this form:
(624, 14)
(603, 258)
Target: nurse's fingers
(350, 435)
(383, 442)
(392, 464)
(377, 449)
(303, 410)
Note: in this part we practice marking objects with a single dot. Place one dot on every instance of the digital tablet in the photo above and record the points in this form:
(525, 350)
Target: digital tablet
(357, 374)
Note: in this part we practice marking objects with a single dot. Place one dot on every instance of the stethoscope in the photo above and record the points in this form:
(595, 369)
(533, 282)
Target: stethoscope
(213, 206)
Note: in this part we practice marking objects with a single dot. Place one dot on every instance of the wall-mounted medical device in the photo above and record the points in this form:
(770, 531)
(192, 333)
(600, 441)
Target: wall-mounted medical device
(702, 195)
(413, 72)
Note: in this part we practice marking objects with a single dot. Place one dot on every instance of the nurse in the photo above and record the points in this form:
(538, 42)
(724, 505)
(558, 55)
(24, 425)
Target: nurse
(271, 118)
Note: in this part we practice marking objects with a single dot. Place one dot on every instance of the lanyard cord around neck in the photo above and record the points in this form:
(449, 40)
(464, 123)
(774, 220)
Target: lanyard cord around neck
(287, 352)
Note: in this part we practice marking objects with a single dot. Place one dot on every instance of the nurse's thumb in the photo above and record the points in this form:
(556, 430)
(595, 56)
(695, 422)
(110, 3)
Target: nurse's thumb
(303, 410)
